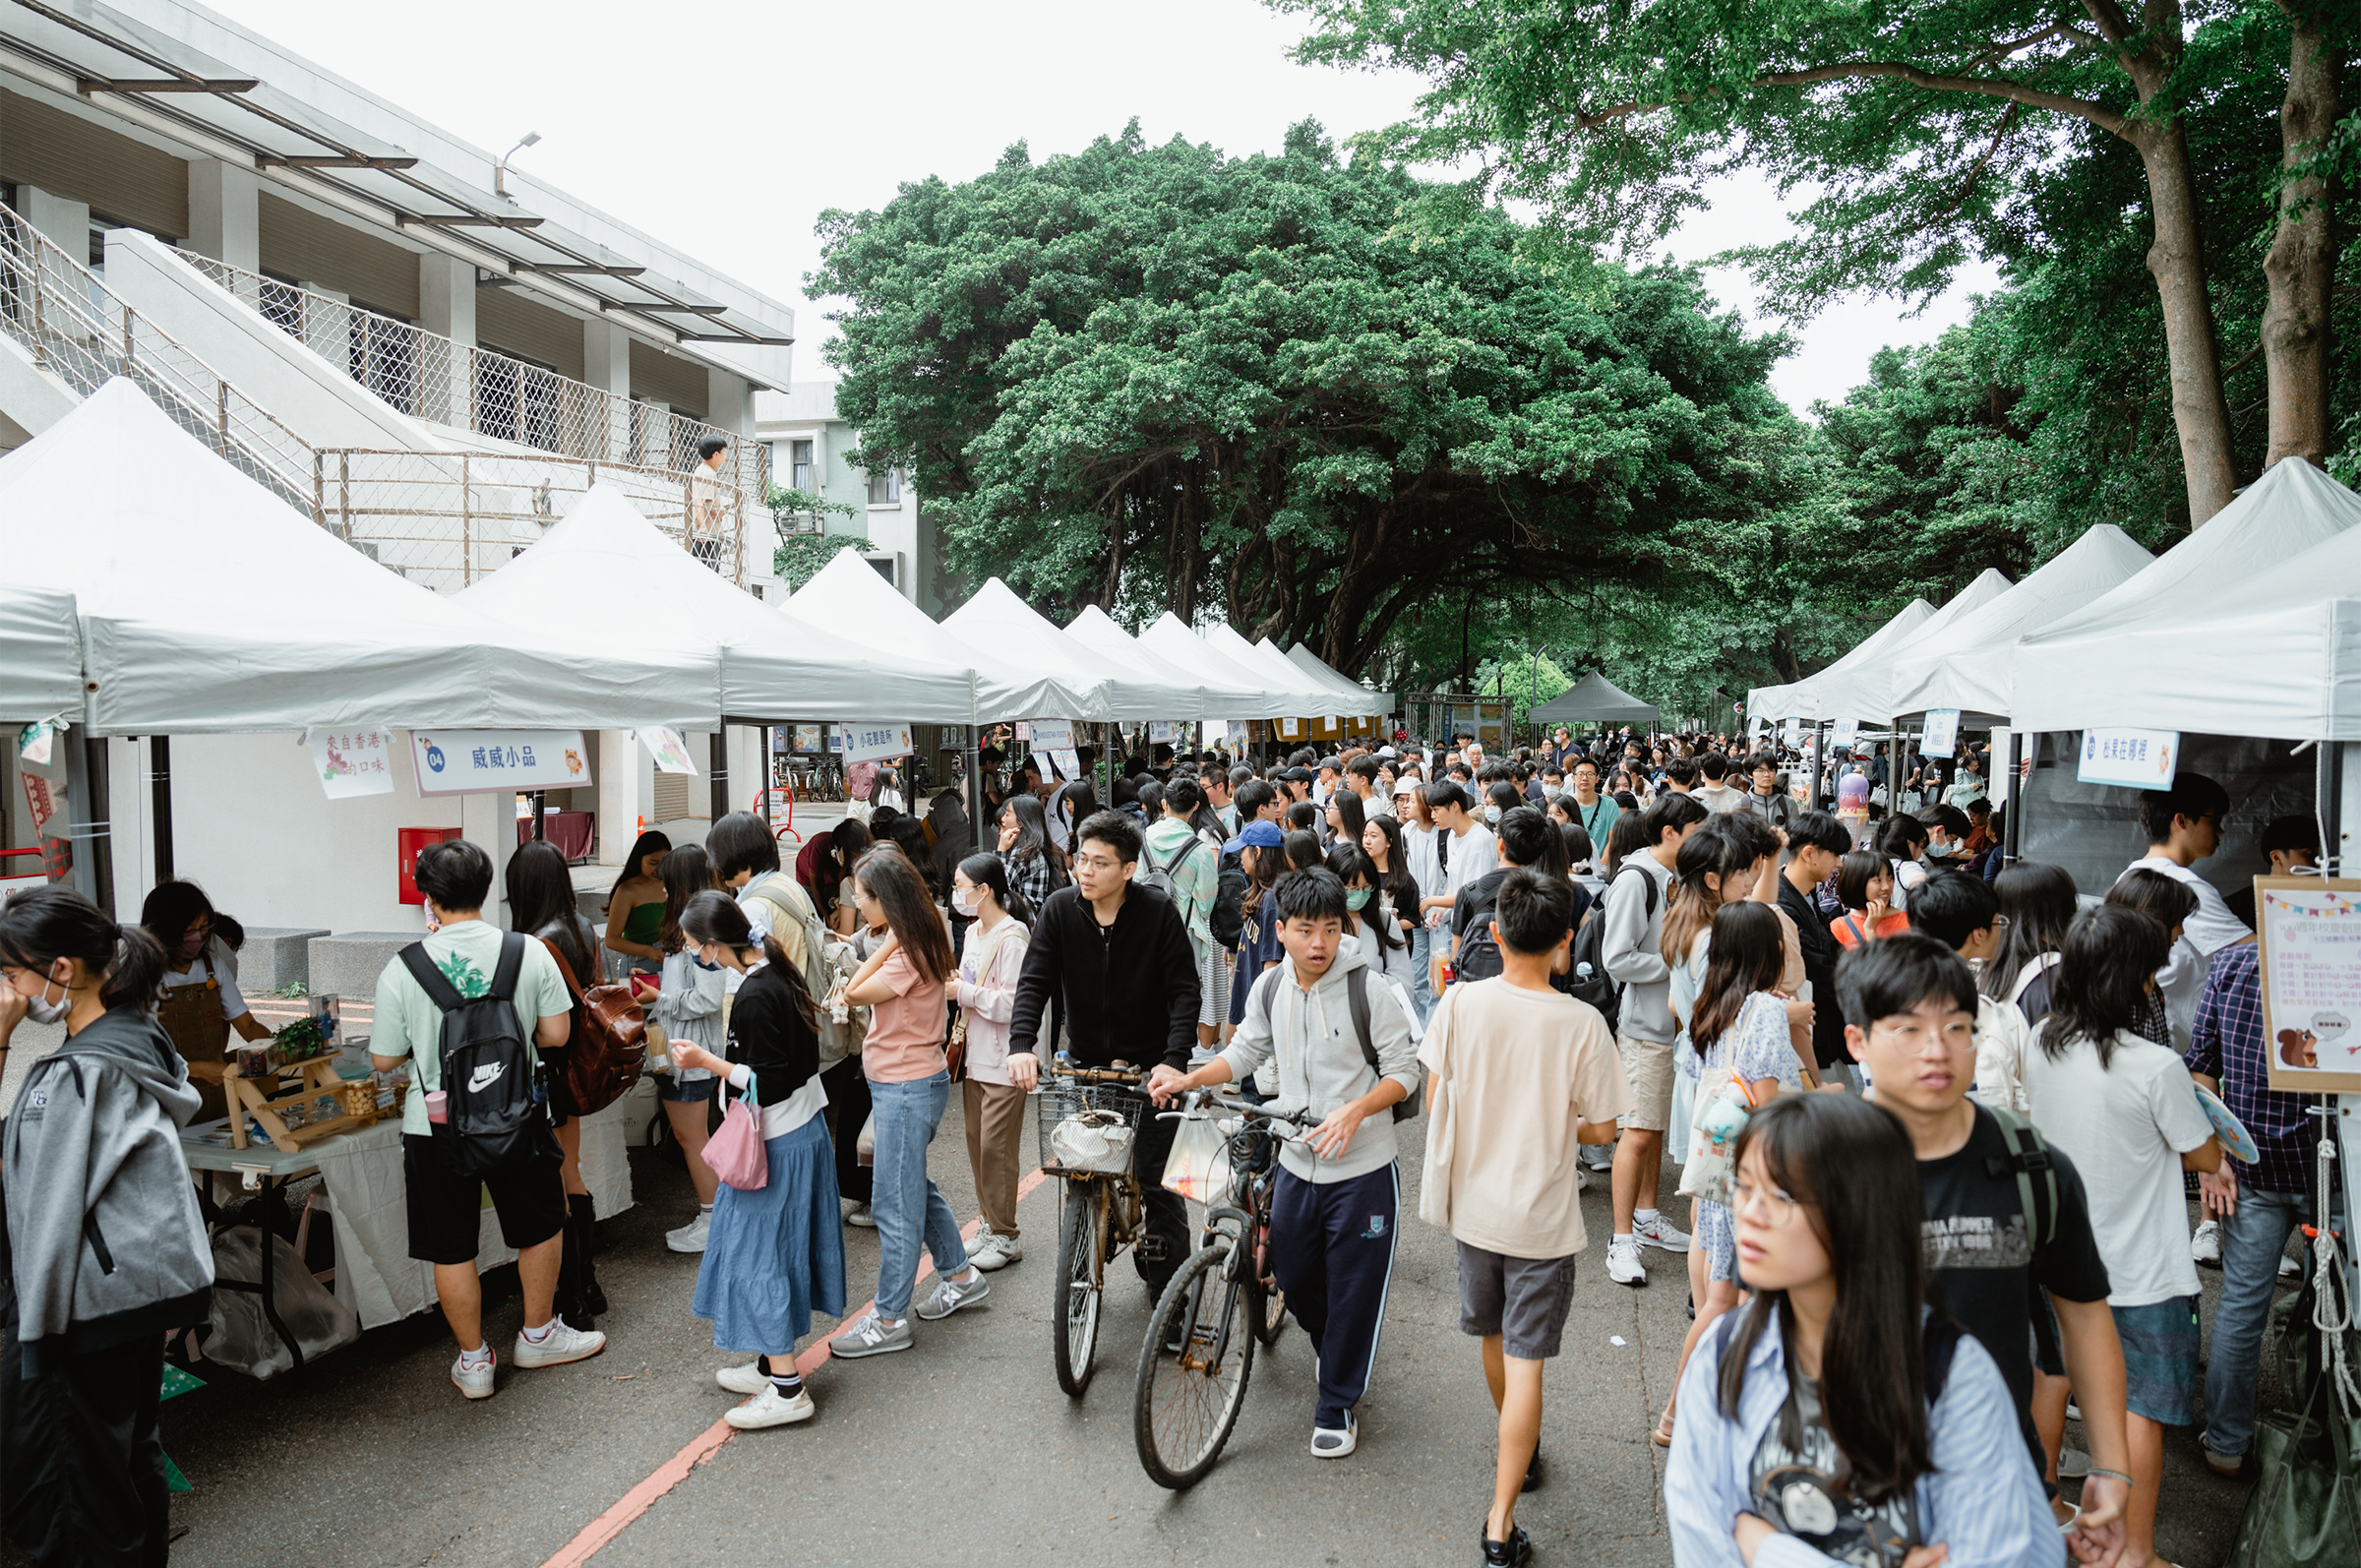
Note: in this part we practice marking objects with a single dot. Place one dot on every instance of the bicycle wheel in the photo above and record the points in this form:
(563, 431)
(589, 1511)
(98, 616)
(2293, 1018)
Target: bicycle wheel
(1266, 1303)
(1186, 1401)
(1074, 1315)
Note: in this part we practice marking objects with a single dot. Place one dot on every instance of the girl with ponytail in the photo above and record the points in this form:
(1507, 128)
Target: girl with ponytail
(105, 1245)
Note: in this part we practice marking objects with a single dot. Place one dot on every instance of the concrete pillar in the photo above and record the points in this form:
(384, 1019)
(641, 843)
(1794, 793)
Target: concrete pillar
(225, 213)
(618, 795)
(489, 821)
(68, 224)
(729, 402)
(607, 365)
(447, 307)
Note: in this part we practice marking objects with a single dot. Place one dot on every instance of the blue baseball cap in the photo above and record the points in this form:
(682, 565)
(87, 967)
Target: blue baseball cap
(1261, 834)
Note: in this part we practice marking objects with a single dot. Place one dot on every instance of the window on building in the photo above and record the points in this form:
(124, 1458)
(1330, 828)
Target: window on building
(884, 566)
(799, 467)
(885, 489)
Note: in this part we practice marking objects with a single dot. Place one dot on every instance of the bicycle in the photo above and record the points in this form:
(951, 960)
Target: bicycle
(1089, 1120)
(1200, 1346)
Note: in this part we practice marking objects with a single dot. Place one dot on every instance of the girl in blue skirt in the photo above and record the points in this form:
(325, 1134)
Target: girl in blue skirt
(774, 1255)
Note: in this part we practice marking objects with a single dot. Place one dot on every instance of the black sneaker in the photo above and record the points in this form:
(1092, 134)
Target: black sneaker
(1534, 1474)
(1514, 1553)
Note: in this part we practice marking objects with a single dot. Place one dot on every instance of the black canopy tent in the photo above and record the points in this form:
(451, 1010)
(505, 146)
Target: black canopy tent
(1594, 699)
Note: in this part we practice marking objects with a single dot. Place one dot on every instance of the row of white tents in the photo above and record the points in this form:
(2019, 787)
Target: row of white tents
(2250, 626)
(149, 587)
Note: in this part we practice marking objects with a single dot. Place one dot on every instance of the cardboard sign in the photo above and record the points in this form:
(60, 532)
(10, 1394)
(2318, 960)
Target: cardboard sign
(874, 742)
(1941, 734)
(470, 762)
(670, 751)
(2311, 982)
(350, 762)
(2137, 760)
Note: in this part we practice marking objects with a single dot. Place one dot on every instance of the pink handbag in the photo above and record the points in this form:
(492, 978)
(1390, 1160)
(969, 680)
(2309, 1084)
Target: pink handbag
(735, 1153)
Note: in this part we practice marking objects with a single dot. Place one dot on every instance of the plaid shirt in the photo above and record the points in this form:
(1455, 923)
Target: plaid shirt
(2226, 1044)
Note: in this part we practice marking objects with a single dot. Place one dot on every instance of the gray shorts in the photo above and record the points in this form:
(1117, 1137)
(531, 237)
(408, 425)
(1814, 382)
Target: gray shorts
(1524, 1301)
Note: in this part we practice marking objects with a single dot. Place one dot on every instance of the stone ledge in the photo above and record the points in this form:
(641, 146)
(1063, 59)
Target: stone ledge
(347, 963)
(276, 957)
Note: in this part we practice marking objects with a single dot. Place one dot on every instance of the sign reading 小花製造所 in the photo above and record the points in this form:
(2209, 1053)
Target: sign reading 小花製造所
(670, 750)
(874, 742)
(1941, 737)
(465, 761)
(352, 762)
(2311, 939)
(2137, 759)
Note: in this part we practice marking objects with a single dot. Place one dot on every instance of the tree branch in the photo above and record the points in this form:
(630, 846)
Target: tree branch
(2097, 114)
(2008, 118)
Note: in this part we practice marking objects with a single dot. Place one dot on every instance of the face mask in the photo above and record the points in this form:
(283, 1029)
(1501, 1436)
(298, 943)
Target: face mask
(1356, 899)
(964, 903)
(1491, 814)
(42, 1010)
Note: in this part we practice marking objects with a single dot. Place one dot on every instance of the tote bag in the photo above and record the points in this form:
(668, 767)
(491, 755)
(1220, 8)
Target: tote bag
(735, 1153)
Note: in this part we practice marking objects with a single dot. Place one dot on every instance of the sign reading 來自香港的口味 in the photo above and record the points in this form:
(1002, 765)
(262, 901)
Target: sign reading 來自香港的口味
(2311, 939)
(464, 761)
(352, 762)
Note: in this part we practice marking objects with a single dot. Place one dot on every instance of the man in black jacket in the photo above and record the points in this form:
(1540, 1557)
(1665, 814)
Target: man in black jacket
(1120, 960)
(1816, 842)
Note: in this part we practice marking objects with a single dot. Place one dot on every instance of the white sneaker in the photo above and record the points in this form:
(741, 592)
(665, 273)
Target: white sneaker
(1623, 1263)
(859, 1215)
(1328, 1442)
(2205, 1243)
(563, 1344)
(993, 1251)
(690, 1237)
(1660, 1233)
(1582, 1178)
(474, 1382)
(747, 1379)
(1595, 1157)
(2290, 1268)
(766, 1408)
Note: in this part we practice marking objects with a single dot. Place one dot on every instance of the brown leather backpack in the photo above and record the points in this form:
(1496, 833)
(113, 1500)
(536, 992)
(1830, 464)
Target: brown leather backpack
(608, 1050)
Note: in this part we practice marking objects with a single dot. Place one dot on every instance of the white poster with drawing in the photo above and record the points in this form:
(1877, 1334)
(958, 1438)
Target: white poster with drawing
(2311, 982)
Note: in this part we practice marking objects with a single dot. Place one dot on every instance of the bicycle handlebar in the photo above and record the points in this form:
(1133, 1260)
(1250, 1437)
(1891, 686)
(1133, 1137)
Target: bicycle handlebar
(1202, 1100)
(1096, 1076)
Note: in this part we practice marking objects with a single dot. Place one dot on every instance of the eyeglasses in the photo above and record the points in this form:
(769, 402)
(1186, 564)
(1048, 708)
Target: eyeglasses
(1777, 1208)
(1096, 862)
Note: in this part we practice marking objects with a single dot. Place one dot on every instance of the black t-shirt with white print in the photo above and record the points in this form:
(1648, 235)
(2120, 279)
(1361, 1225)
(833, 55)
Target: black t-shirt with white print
(1983, 1263)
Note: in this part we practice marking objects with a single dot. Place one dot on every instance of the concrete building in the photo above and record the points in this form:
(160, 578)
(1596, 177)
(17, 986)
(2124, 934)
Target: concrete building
(808, 451)
(428, 351)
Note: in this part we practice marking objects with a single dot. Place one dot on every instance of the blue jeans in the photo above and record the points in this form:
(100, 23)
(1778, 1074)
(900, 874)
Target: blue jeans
(2253, 1238)
(904, 1199)
(1422, 953)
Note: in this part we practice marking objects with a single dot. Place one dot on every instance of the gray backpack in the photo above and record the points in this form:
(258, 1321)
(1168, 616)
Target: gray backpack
(1357, 996)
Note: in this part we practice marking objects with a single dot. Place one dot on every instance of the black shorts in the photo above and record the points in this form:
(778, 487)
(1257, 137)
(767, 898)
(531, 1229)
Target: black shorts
(445, 1212)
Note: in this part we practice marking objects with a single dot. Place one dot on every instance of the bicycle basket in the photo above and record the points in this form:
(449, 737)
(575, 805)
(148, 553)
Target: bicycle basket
(1088, 1128)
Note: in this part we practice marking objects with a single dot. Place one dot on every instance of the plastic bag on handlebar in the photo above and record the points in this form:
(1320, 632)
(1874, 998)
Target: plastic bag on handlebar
(1198, 1168)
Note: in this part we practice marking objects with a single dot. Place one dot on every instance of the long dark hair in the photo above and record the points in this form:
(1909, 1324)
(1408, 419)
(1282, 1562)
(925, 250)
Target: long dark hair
(40, 926)
(170, 908)
(909, 835)
(541, 903)
(1032, 829)
(1747, 951)
(910, 912)
(1828, 1152)
(1690, 908)
(1399, 885)
(2102, 981)
(1351, 863)
(686, 873)
(2037, 904)
(1350, 816)
(1082, 797)
(714, 916)
(1627, 837)
(1302, 848)
(986, 870)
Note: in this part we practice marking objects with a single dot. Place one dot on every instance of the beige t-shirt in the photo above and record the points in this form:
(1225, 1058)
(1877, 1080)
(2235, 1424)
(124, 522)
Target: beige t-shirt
(1515, 1075)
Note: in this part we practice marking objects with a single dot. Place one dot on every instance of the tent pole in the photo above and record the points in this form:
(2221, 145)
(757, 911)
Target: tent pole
(2019, 786)
(717, 769)
(160, 788)
(87, 819)
(975, 786)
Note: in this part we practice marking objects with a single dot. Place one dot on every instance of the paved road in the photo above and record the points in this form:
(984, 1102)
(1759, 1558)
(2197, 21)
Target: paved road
(960, 1450)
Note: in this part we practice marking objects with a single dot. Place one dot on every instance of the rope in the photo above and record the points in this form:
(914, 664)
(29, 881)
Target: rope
(2331, 1308)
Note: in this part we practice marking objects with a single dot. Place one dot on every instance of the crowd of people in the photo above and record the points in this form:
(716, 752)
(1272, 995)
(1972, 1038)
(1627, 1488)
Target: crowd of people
(1931, 1118)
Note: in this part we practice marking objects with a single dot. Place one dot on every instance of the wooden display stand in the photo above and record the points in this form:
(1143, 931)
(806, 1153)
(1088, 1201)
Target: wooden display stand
(260, 1098)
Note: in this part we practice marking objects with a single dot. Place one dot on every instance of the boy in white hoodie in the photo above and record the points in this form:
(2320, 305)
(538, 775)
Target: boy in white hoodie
(1333, 1213)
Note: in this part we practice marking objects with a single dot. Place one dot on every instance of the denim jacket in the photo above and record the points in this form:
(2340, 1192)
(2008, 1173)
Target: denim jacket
(1982, 1500)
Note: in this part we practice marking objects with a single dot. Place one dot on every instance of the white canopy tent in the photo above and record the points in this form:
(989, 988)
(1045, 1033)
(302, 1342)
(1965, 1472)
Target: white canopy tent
(2277, 655)
(1373, 704)
(996, 618)
(1126, 661)
(209, 606)
(849, 600)
(1966, 665)
(1175, 645)
(1799, 700)
(1866, 691)
(1278, 678)
(40, 654)
(769, 665)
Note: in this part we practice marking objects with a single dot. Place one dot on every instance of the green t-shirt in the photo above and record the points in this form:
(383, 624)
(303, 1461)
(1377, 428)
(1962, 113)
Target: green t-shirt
(409, 1024)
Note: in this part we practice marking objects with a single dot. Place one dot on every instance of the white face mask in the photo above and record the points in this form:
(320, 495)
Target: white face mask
(964, 902)
(1491, 814)
(42, 1010)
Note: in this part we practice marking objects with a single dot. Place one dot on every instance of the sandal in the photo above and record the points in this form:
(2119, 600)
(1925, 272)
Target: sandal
(1662, 1436)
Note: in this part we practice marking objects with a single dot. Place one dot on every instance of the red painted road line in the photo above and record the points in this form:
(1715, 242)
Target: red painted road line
(640, 1498)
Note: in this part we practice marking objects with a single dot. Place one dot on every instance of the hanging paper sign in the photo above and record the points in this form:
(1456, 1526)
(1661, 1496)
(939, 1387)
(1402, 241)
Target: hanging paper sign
(873, 743)
(1024, 732)
(465, 761)
(1162, 734)
(38, 744)
(1291, 729)
(1046, 764)
(40, 799)
(1792, 735)
(352, 762)
(807, 737)
(1844, 732)
(1942, 736)
(836, 739)
(2311, 930)
(1069, 765)
(668, 749)
(1049, 735)
(2137, 759)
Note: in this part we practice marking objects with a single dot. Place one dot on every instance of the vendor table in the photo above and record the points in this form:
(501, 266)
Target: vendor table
(574, 833)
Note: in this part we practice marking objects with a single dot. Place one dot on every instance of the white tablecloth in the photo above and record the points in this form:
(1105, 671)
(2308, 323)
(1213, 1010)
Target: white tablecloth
(376, 1276)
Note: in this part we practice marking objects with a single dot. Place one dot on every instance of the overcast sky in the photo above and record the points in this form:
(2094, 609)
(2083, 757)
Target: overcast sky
(728, 126)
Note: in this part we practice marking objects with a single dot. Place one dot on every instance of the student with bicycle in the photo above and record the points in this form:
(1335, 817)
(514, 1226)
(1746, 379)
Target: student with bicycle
(1120, 959)
(1347, 1059)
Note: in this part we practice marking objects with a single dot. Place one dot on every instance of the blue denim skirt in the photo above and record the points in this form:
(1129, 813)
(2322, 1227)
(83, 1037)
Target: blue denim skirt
(774, 1257)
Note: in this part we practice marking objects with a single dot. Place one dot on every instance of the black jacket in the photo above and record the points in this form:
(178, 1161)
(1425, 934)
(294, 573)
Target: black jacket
(1131, 988)
(1820, 955)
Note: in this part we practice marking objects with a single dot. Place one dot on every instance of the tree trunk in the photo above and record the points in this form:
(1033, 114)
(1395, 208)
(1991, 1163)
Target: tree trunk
(2301, 265)
(2176, 258)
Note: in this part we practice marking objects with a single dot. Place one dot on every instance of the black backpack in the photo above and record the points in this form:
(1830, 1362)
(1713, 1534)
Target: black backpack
(1479, 955)
(1226, 920)
(1592, 983)
(491, 1074)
